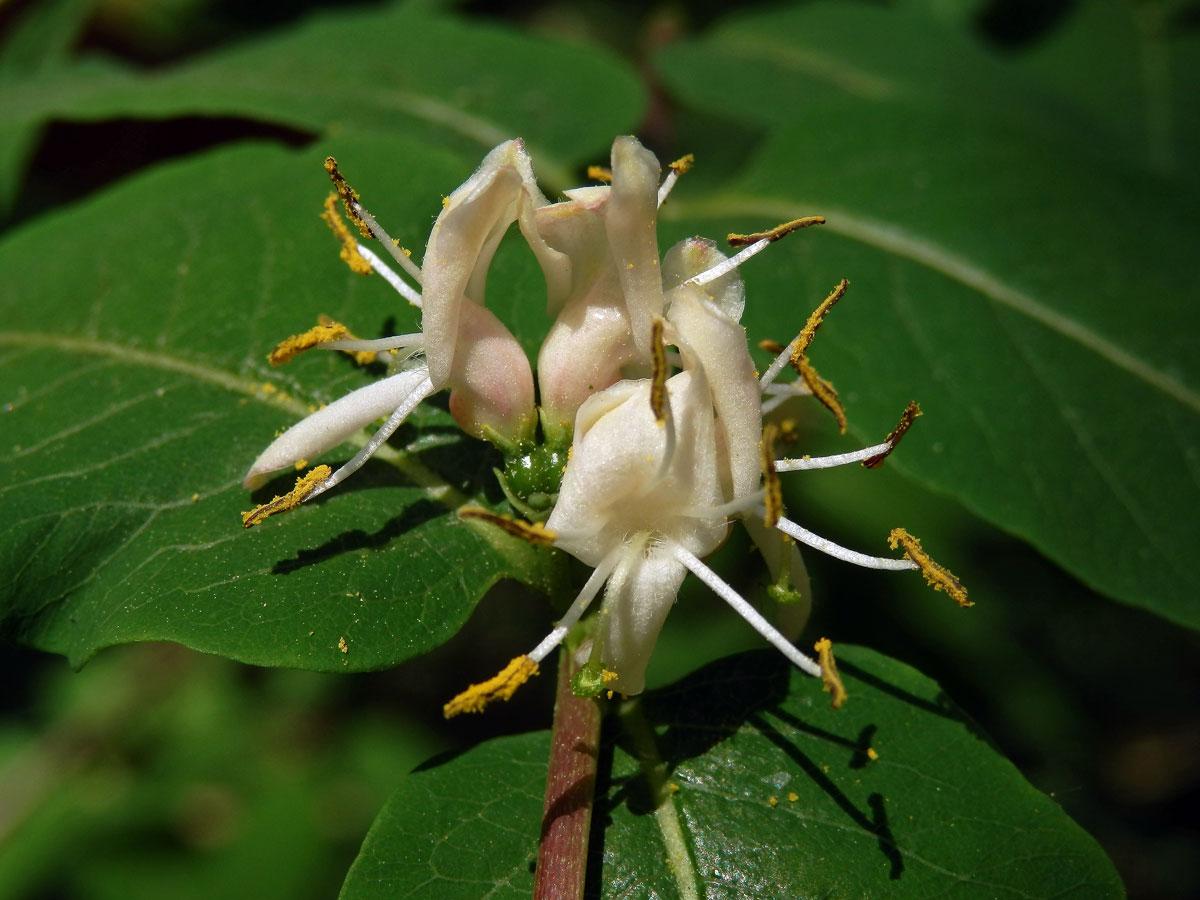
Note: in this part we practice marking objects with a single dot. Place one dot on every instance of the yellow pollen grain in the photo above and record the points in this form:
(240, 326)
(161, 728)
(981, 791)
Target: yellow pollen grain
(195, 498)
(773, 801)
(298, 343)
(608, 676)
(499, 687)
(906, 419)
(268, 388)
(534, 532)
(342, 645)
(349, 253)
(871, 754)
(774, 491)
(301, 465)
(793, 797)
(832, 682)
(305, 485)
(936, 576)
(774, 234)
(347, 195)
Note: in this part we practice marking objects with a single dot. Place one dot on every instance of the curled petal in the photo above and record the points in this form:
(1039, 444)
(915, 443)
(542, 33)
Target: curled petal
(694, 255)
(631, 222)
(330, 425)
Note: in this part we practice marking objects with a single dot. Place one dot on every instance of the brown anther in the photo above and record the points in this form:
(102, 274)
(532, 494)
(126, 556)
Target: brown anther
(348, 196)
(774, 492)
(906, 419)
(774, 234)
(289, 501)
(936, 576)
(658, 370)
(822, 389)
(534, 532)
(829, 674)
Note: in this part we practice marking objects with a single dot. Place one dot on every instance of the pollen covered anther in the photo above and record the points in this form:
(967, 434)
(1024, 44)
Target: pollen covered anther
(829, 673)
(822, 389)
(499, 687)
(936, 576)
(347, 195)
(658, 381)
(683, 164)
(774, 492)
(327, 330)
(305, 485)
(906, 419)
(809, 331)
(534, 532)
(350, 255)
(773, 234)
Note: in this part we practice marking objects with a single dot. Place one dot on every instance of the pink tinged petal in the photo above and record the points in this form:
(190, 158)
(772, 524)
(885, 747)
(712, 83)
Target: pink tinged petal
(333, 424)
(718, 343)
(461, 246)
(491, 379)
(640, 593)
(631, 221)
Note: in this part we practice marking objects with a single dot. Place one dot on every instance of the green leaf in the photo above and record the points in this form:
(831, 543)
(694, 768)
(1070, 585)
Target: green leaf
(134, 393)
(395, 71)
(1031, 294)
(937, 813)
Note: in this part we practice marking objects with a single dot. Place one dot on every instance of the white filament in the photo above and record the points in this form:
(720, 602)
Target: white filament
(829, 462)
(382, 268)
(792, 530)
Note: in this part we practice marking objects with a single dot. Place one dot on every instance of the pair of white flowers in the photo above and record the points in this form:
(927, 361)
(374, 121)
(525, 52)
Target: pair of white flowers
(666, 446)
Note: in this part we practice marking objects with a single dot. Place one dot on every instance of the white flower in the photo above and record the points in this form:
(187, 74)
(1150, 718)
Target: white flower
(466, 348)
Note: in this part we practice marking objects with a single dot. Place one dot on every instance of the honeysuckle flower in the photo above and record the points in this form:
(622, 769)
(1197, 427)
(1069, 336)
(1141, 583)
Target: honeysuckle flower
(465, 347)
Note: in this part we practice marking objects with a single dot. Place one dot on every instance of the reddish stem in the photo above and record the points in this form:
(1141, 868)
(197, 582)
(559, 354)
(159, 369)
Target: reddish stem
(570, 784)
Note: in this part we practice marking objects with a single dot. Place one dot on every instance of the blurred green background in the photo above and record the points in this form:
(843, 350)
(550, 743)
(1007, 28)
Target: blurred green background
(157, 772)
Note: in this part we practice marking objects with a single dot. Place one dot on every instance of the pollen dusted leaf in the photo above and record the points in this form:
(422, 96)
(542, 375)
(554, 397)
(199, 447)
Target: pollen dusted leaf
(1033, 293)
(135, 391)
(896, 795)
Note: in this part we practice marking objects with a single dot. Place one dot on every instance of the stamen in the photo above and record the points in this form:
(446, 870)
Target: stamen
(382, 268)
(829, 462)
(770, 346)
(773, 507)
(829, 673)
(385, 431)
(774, 234)
(679, 167)
(304, 488)
(349, 254)
(779, 394)
(782, 358)
(363, 355)
(800, 346)
(822, 389)
(936, 576)
(376, 345)
(347, 195)
(744, 609)
(906, 419)
(323, 333)
(727, 266)
(590, 589)
(804, 536)
(600, 173)
(499, 687)
(534, 532)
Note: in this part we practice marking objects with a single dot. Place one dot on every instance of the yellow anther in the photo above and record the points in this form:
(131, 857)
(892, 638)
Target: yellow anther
(774, 234)
(600, 173)
(498, 687)
(906, 419)
(822, 389)
(361, 357)
(534, 532)
(347, 195)
(349, 254)
(770, 346)
(809, 331)
(305, 485)
(328, 330)
(829, 673)
(937, 577)
(682, 164)
(658, 372)
(774, 492)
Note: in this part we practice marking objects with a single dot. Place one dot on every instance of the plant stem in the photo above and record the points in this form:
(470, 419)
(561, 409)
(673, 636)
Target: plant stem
(570, 785)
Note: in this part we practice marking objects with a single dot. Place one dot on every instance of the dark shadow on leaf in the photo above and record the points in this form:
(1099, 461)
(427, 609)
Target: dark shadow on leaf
(352, 541)
(875, 823)
(943, 706)
(604, 802)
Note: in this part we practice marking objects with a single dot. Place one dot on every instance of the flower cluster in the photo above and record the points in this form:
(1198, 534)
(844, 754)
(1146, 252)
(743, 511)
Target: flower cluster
(646, 391)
